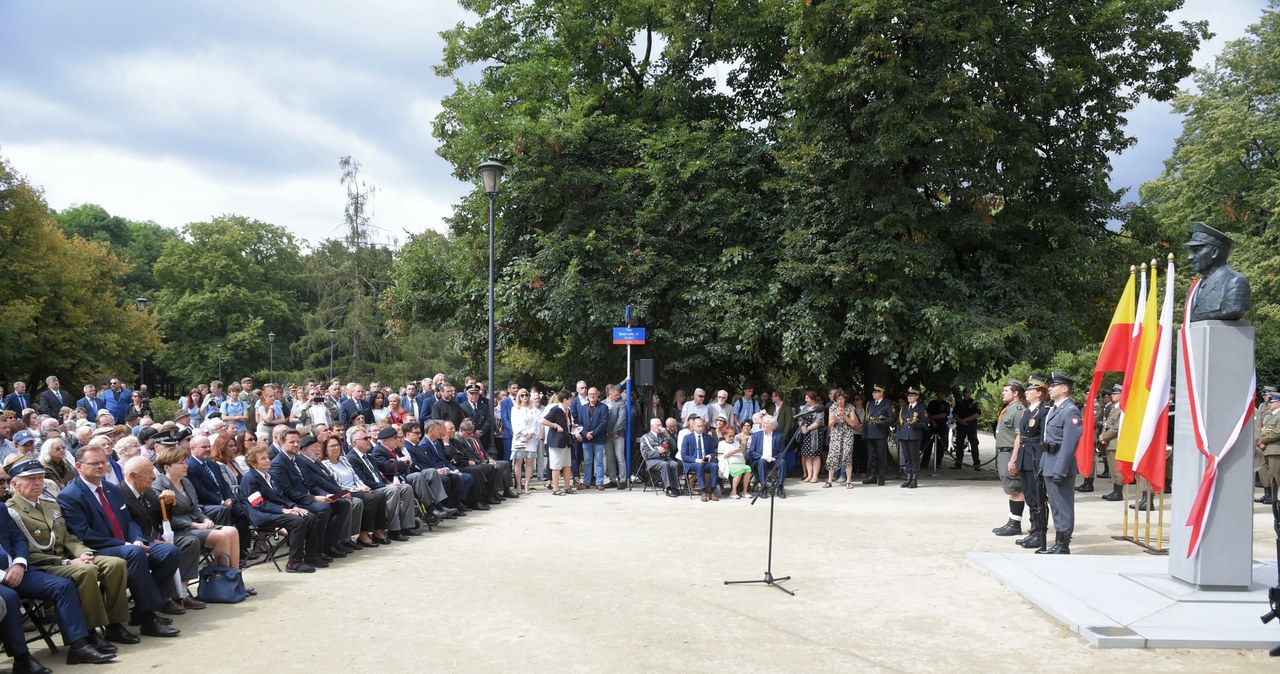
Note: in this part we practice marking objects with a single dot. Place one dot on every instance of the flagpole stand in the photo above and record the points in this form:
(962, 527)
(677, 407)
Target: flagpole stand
(1221, 359)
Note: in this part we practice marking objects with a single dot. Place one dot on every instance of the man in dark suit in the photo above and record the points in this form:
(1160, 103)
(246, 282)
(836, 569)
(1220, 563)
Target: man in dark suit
(18, 400)
(425, 458)
(21, 582)
(144, 508)
(270, 509)
(394, 462)
(356, 405)
(53, 399)
(912, 422)
(698, 452)
(439, 456)
(308, 461)
(96, 513)
(480, 413)
(402, 506)
(333, 515)
(446, 408)
(216, 497)
(483, 475)
(90, 403)
(764, 450)
(477, 453)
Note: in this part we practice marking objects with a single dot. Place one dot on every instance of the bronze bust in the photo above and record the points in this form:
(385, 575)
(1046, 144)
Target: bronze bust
(1223, 293)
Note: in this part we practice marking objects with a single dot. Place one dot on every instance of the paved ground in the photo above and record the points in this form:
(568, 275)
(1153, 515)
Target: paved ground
(620, 581)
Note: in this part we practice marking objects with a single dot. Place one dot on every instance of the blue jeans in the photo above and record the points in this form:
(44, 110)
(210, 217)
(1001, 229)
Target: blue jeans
(592, 463)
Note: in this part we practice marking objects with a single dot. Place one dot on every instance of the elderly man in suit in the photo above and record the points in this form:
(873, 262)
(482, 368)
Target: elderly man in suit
(764, 451)
(216, 497)
(96, 513)
(395, 464)
(658, 450)
(698, 453)
(99, 581)
(401, 503)
(355, 406)
(478, 455)
(53, 399)
(425, 459)
(322, 481)
(144, 508)
(475, 408)
(1058, 462)
(90, 403)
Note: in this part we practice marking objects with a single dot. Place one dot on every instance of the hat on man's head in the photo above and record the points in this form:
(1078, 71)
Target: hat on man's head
(182, 434)
(168, 438)
(387, 433)
(1273, 397)
(1117, 389)
(147, 433)
(26, 468)
(308, 440)
(473, 389)
(1015, 384)
(913, 392)
(1036, 381)
(1057, 378)
(105, 430)
(878, 387)
(1204, 235)
(182, 413)
(23, 437)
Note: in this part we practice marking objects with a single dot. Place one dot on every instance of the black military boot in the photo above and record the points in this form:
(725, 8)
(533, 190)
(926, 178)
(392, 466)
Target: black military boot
(1141, 505)
(1057, 545)
(1267, 497)
(911, 483)
(1117, 493)
(1086, 486)
(1035, 541)
(880, 477)
(1011, 528)
(871, 478)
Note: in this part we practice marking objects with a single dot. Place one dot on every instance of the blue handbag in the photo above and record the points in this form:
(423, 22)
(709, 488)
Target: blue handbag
(221, 585)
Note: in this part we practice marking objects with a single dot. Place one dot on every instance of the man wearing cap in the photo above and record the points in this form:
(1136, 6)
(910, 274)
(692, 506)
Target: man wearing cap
(1025, 462)
(96, 513)
(1006, 434)
(1107, 438)
(480, 413)
(53, 399)
(656, 448)
(1062, 433)
(333, 514)
(99, 581)
(1223, 293)
(1269, 446)
(25, 442)
(912, 421)
(876, 433)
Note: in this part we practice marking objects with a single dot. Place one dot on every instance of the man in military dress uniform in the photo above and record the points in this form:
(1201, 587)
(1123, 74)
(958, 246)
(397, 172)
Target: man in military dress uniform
(1025, 462)
(1107, 439)
(1269, 443)
(1058, 461)
(876, 433)
(100, 581)
(1006, 433)
(912, 421)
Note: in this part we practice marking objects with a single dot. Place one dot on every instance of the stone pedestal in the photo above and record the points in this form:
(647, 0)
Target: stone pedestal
(1224, 350)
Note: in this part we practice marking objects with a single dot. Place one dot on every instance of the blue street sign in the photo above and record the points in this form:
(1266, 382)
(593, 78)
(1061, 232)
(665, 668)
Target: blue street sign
(628, 336)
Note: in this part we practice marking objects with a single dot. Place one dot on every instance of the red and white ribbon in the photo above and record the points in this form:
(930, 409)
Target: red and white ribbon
(1198, 518)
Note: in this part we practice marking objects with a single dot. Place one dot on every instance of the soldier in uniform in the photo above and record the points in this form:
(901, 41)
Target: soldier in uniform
(1025, 462)
(1062, 432)
(912, 421)
(1269, 443)
(1006, 433)
(876, 432)
(1258, 414)
(1107, 440)
(99, 582)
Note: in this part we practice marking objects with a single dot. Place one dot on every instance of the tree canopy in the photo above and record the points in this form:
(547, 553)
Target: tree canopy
(843, 191)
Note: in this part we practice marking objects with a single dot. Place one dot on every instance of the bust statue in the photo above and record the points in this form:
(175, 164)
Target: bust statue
(1223, 293)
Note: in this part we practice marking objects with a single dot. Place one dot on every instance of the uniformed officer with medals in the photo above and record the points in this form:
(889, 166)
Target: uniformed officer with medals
(1026, 461)
(876, 434)
(1062, 432)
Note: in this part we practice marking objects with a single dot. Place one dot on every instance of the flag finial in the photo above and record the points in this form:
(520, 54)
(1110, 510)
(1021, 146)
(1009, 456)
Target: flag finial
(1171, 257)
(1144, 267)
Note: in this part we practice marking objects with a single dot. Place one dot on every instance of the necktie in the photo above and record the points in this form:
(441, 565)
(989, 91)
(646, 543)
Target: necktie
(372, 471)
(698, 439)
(212, 476)
(111, 515)
(476, 443)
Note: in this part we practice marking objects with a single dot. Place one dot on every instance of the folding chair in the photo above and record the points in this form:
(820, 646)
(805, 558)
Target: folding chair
(37, 611)
(273, 542)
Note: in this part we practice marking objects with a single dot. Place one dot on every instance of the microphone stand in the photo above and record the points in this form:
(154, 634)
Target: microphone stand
(771, 479)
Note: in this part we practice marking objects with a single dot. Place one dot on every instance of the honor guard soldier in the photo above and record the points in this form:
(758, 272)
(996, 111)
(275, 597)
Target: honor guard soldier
(912, 422)
(1107, 439)
(1269, 444)
(1025, 461)
(1006, 434)
(876, 433)
(1058, 461)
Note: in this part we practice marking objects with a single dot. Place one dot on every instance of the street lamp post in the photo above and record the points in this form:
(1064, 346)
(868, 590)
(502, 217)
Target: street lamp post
(219, 361)
(141, 303)
(333, 334)
(271, 359)
(491, 175)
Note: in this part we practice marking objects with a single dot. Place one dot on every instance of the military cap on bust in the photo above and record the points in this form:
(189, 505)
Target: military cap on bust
(1204, 235)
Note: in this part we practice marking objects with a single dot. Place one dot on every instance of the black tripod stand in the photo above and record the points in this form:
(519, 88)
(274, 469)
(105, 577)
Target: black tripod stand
(771, 479)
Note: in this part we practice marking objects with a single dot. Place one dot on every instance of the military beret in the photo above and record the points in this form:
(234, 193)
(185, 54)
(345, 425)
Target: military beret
(308, 440)
(387, 433)
(1057, 378)
(1036, 381)
(1204, 235)
(25, 468)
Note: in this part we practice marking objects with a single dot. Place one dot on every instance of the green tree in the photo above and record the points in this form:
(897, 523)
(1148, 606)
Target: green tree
(59, 312)
(880, 189)
(138, 243)
(1224, 171)
(231, 280)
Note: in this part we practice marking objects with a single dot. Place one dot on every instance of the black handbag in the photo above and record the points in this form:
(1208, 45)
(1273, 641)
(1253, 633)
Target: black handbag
(221, 585)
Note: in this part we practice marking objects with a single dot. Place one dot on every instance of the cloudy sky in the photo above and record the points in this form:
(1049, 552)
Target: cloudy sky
(175, 112)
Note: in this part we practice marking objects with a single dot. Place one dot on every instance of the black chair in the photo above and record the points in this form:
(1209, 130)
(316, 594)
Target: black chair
(40, 613)
(266, 544)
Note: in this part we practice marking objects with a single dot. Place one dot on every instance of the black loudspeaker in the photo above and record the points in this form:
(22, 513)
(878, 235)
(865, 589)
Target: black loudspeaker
(646, 372)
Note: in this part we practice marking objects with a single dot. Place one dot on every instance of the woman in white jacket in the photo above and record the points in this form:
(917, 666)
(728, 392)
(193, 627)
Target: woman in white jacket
(526, 424)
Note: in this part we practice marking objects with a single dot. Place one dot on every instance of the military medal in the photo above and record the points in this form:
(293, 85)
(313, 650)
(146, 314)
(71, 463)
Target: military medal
(1031, 423)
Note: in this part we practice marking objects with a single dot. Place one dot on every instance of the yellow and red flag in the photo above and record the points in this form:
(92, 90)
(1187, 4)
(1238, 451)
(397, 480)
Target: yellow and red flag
(1112, 357)
(1153, 437)
(1137, 390)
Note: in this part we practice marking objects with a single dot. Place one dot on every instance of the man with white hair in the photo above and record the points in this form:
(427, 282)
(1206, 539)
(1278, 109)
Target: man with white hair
(697, 406)
(657, 448)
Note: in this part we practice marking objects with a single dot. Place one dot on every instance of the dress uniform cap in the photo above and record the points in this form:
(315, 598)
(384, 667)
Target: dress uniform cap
(878, 387)
(166, 438)
(1204, 235)
(1036, 381)
(1273, 397)
(1058, 378)
(913, 392)
(1117, 389)
(25, 468)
